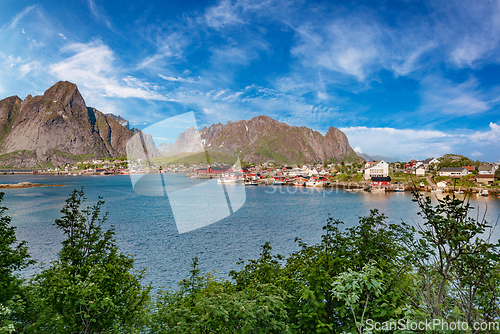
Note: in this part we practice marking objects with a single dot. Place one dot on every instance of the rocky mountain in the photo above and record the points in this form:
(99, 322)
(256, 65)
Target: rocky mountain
(263, 138)
(57, 128)
(164, 148)
(119, 119)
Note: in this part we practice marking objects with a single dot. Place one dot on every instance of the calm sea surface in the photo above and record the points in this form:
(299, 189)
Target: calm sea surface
(145, 226)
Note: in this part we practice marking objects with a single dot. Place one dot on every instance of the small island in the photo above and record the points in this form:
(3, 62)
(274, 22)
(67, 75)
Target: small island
(27, 185)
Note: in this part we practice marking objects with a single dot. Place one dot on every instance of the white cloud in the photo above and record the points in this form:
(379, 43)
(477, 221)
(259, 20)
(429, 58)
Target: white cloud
(475, 31)
(232, 96)
(358, 149)
(174, 79)
(409, 143)
(28, 67)
(487, 137)
(91, 66)
(219, 94)
(98, 13)
(170, 48)
(403, 143)
(444, 96)
(19, 16)
(343, 46)
(224, 14)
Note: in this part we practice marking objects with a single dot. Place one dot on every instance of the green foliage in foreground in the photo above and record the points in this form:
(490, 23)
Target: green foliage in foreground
(13, 257)
(206, 305)
(445, 269)
(91, 287)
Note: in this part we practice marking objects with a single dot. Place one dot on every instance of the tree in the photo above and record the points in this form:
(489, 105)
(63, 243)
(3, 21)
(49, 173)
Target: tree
(206, 305)
(497, 174)
(308, 274)
(456, 265)
(351, 286)
(91, 287)
(14, 256)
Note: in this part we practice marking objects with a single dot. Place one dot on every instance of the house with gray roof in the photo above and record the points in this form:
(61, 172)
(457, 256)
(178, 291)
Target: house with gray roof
(456, 172)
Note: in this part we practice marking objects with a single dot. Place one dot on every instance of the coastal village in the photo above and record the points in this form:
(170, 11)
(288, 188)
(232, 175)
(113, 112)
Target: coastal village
(374, 176)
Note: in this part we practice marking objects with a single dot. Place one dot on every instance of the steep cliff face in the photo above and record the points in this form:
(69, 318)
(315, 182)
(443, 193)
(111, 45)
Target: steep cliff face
(188, 141)
(263, 138)
(56, 128)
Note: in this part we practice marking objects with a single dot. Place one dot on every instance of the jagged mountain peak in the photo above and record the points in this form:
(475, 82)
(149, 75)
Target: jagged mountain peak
(65, 92)
(56, 128)
(263, 138)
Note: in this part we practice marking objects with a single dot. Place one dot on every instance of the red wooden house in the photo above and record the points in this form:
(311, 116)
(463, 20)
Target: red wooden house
(379, 181)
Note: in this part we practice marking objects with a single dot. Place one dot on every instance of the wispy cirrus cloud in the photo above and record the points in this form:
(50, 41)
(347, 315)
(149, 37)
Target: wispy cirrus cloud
(19, 16)
(472, 31)
(224, 14)
(98, 13)
(455, 99)
(342, 47)
(91, 66)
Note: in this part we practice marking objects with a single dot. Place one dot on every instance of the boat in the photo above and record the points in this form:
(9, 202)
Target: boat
(483, 192)
(298, 184)
(399, 190)
(458, 192)
(278, 183)
(437, 191)
(228, 178)
(317, 184)
(251, 183)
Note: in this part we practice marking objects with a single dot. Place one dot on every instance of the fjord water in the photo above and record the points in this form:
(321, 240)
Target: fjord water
(145, 226)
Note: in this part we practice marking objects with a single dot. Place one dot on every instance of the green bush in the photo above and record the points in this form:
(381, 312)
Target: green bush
(91, 287)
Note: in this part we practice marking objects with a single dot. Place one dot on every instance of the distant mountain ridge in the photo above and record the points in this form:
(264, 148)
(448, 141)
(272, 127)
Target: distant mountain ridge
(56, 128)
(262, 139)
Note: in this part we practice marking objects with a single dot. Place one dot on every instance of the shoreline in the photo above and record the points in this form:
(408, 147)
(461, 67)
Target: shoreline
(347, 186)
(22, 185)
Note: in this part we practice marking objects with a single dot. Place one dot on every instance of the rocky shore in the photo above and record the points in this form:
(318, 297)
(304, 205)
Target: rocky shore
(27, 185)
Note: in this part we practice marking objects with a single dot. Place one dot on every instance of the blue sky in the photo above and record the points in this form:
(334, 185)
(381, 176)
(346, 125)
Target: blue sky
(403, 79)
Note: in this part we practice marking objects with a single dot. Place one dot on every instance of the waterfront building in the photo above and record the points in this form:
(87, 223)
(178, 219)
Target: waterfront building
(377, 169)
(456, 172)
(485, 178)
(486, 169)
(381, 181)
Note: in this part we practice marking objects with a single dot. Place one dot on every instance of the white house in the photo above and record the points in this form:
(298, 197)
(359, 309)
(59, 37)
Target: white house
(486, 169)
(453, 172)
(420, 171)
(377, 169)
(418, 164)
(297, 172)
(430, 161)
(313, 172)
